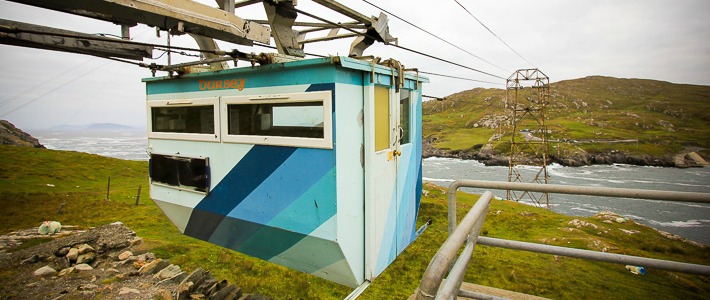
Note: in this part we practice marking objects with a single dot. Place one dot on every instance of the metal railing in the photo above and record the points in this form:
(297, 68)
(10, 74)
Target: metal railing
(466, 233)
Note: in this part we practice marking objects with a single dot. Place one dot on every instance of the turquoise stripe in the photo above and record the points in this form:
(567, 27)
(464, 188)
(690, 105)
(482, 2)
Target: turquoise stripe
(311, 209)
(406, 210)
(388, 245)
(296, 176)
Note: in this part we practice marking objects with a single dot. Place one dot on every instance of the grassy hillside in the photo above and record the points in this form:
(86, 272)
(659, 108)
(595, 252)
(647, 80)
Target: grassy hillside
(79, 180)
(664, 117)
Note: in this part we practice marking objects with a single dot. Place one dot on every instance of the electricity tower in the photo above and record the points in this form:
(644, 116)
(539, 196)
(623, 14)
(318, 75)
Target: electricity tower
(527, 95)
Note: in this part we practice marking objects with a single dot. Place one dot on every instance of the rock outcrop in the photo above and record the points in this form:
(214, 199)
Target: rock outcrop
(105, 262)
(490, 157)
(11, 135)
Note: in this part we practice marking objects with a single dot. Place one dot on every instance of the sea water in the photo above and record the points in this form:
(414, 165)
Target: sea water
(689, 220)
(123, 144)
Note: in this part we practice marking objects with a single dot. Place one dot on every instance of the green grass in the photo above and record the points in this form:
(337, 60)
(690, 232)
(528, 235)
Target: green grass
(28, 200)
(664, 117)
(462, 139)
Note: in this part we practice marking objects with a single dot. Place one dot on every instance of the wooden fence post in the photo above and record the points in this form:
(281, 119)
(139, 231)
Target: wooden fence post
(138, 196)
(108, 188)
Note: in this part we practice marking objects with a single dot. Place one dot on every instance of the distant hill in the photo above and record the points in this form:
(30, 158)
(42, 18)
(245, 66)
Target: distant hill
(658, 120)
(97, 127)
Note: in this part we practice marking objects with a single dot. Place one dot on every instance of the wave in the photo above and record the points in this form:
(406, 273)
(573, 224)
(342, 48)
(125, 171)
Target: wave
(588, 210)
(670, 183)
(684, 224)
(437, 179)
(706, 206)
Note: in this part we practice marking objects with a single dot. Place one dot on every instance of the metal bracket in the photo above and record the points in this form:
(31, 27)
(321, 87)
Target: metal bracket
(282, 15)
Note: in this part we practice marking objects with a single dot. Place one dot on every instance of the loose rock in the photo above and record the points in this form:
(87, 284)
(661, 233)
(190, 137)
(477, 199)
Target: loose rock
(125, 255)
(86, 258)
(85, 249)
(127, 290)
(136, 241)
(30, 260)
(580, 223)
(168, 272)
(45, 271)
(73, 254)
(83, 267)
(62, 251)
(66, 271)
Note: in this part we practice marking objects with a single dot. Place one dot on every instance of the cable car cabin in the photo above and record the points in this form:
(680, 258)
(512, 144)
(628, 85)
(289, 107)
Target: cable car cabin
(312, 164)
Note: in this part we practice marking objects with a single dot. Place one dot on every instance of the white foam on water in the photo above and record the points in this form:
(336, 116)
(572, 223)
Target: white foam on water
(684, 224)
(437, 179)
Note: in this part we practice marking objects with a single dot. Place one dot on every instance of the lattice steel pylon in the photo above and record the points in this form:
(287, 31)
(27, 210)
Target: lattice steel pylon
(528, 146)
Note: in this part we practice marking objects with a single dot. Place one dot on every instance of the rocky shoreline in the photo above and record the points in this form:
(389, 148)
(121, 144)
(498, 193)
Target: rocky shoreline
(488, 156)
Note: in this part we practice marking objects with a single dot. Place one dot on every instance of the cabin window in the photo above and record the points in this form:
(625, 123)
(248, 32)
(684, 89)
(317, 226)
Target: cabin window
(186, 119)
(186, 173)
(382, 118)
(300, 119)
(297, 119)
(189, 119)
(404, 111)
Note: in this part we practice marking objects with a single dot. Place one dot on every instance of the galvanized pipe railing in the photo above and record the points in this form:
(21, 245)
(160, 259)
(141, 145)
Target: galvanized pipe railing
(431, 284)
(444, 257)
(571, 190)
(598, 256)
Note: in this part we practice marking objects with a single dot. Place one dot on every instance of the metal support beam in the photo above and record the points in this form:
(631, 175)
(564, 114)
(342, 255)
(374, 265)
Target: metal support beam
(378, 31)
(329, 38)
(281, 17)
(42, 37)
(226, 5)
(126, 32)
(346, 11)
(206, 43)
(239, 4)
(196, 18)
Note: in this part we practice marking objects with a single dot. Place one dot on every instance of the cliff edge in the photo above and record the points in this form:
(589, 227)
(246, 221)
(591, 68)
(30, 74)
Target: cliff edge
(11, 135)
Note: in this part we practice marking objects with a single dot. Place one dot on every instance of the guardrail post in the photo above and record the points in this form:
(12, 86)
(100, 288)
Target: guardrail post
(444, 257)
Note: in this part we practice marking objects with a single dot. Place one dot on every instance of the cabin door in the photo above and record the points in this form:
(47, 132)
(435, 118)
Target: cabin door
(382, 153)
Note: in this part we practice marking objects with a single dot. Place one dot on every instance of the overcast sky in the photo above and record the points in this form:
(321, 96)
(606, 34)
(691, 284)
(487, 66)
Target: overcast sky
(566, 39)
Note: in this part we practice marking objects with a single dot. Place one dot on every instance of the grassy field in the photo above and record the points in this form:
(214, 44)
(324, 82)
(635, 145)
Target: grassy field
(664, 117)
(79, 180)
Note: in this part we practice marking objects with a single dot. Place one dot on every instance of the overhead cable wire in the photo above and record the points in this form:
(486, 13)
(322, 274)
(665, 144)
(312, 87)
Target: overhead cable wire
(393, 45)
(434, 97)
(495, 35)
(54, 89)
(446, 61)
(436, 36)
(462, 78)
(9, 100)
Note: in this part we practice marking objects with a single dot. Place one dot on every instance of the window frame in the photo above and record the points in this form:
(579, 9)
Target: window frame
(207, 137)
(382, 118)
(406, 136)
(208, 172)
(325, 97)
